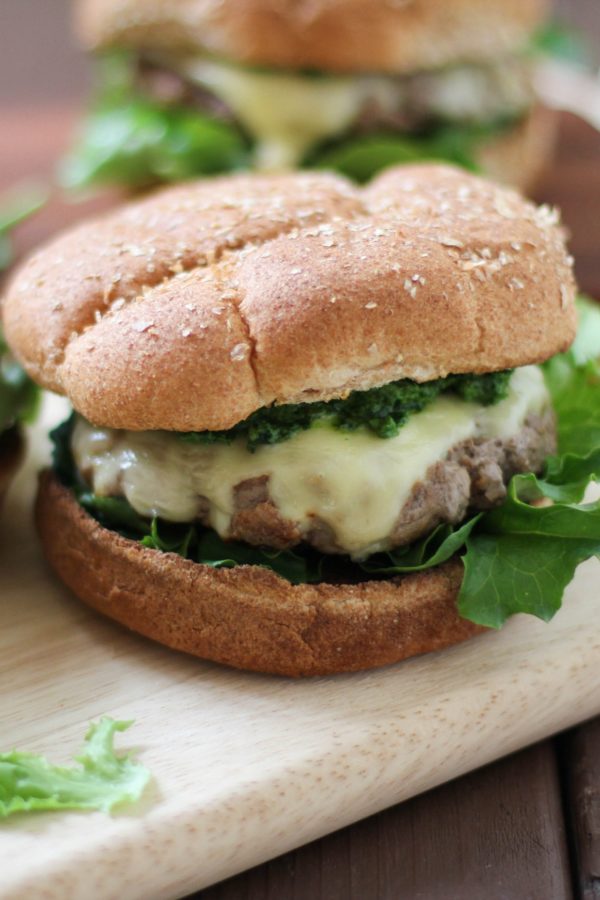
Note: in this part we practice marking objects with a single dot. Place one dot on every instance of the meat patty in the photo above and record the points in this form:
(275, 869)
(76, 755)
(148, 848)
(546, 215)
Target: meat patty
(473, 476)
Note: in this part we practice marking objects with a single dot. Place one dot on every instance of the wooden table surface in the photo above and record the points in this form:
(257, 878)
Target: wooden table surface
(525, 827)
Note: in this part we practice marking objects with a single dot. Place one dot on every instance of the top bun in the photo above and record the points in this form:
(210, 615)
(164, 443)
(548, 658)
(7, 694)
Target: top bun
(197, 305)
(331, 35)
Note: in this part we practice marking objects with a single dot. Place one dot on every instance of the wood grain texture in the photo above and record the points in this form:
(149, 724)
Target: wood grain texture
(247, 766)
(487, 835)
(581, 765)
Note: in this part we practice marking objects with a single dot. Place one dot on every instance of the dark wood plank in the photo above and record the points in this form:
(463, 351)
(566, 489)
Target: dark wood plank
(581, 763)
(496, 834)
(573, 184)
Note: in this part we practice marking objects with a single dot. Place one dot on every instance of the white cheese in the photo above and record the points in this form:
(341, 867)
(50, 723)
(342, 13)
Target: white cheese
(355, 482)
(287, 114)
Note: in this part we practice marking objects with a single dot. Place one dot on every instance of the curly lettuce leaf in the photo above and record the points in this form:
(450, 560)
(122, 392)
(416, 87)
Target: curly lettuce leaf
(102, 781)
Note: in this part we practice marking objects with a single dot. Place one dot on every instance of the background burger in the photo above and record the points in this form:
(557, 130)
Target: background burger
(198, 88)
(299, 406)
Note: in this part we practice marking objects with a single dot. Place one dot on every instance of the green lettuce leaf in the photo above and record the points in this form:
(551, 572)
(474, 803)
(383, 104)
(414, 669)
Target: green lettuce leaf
(573, 379)
(129, 138)
(19, 397)
(560, 40)
(16, 206)
(523, 554)
(360, 158)
(103, 780)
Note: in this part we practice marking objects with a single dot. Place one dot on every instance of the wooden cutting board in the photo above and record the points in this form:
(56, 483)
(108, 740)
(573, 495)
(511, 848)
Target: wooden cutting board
(247, 767)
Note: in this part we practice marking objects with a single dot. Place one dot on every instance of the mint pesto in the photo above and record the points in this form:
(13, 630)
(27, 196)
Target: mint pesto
(383, 410)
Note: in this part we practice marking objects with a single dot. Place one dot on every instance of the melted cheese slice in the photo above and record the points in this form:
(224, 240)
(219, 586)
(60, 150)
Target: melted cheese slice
(287, 114)
(356, 482)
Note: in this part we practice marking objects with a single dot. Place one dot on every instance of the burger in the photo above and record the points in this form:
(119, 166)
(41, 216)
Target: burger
(297, 403)
(18, 401)
(194, 88)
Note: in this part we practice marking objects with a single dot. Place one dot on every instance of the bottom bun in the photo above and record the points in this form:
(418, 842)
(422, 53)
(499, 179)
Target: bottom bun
(247, 616)
(517, 156)
(11, 454)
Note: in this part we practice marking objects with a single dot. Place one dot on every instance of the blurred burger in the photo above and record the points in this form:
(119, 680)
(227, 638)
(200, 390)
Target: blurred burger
(293, 399)
(351, 85)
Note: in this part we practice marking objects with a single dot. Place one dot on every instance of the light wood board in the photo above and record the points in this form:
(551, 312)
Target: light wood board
(247, 767)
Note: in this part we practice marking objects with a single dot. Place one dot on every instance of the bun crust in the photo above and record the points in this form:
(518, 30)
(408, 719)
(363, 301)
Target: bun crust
(331, 35)
(247, 617)
(192, 308)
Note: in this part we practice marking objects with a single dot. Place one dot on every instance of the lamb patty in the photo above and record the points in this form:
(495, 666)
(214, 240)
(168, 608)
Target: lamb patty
(473, 476)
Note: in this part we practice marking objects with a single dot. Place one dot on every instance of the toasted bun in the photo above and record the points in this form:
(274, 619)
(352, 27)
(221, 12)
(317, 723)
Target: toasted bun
(196, 306)
(11, 454)
(332, 35)
(247, 617)
(517, 156)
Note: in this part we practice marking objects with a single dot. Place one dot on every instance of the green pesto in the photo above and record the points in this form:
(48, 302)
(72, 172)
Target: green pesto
(383, 410)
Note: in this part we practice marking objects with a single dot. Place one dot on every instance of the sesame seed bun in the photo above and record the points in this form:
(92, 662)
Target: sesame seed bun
(331, 35)
(247, 617)
(192, 308)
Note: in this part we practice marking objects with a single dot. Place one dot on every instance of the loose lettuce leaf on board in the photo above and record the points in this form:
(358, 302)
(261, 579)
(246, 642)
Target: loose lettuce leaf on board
(103, 780)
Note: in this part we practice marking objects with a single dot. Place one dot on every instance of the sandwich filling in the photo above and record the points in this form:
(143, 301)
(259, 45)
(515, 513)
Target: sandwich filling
(287, 115)
(355, 492)
(160, 118)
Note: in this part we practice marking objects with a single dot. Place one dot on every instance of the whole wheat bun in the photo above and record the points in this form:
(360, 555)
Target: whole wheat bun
(247, 616)
(331, 35)
(192, 308)
(11, 454)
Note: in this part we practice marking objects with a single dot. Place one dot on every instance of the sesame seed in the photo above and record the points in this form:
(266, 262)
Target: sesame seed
(239, 352)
